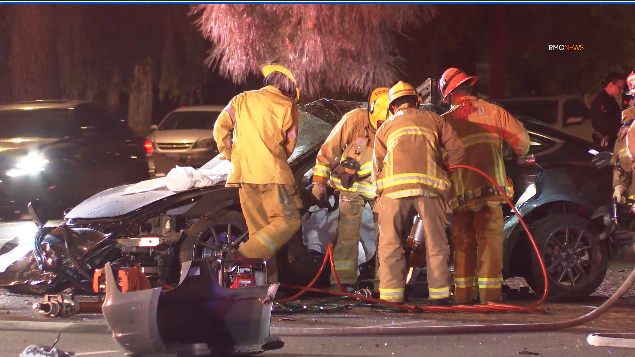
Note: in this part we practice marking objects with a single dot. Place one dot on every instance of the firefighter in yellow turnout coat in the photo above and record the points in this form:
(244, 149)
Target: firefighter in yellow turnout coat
(265, 128)
(409, 168)
(477, 230)
(352, 138)
(622, 153)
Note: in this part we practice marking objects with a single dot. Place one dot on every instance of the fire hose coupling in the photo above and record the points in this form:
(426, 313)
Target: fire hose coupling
(55, 305)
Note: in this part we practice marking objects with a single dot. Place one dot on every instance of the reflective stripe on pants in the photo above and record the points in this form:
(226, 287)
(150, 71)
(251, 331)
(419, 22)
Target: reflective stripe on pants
(478, 251)
(392, 263)
(271, 223)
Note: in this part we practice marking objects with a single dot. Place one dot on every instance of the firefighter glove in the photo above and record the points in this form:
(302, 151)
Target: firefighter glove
(618, 194)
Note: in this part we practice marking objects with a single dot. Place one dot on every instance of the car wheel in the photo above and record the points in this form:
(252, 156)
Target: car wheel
(574, 256)
(214, 236)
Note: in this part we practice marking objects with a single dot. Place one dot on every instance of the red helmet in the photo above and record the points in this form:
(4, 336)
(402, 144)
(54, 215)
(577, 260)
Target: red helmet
(630, 81)
(451, 79)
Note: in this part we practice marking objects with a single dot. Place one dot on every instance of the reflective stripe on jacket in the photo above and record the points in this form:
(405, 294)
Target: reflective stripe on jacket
(408, 154)
(623, 175)
(340, 144)
(483, 127)
(265, 129)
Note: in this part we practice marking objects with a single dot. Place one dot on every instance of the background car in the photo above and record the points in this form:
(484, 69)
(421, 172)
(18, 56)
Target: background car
(184, 137)
(568, 113)
(63, 152)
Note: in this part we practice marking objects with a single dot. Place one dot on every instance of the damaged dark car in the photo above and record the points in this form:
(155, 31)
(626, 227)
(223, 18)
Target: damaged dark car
(557, 191)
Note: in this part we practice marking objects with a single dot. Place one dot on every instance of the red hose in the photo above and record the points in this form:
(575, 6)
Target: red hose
(490, 307)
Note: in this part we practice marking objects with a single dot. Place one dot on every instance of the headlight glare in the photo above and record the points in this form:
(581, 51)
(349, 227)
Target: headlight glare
(30, 164)
(530, 192)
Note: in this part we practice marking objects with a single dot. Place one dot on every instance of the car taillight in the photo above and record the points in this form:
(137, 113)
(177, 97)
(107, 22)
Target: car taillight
(149, 147)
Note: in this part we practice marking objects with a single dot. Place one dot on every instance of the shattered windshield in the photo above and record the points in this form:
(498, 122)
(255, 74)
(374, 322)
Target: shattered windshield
(317, 119)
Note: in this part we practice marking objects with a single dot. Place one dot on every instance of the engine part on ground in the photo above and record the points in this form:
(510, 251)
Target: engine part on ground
(44, 351)
(197, 317)
(57, 306)
(622, 340)
(129, 279)
(242, 272)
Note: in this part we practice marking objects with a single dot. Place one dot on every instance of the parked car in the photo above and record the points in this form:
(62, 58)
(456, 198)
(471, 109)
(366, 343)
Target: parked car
(557, 189)
(185, 137)
(63, 152)
(567, 113)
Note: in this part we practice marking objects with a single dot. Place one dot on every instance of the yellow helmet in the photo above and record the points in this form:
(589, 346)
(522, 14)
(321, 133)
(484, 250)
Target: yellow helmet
(402, 89)
(378, 106)
(272, 67)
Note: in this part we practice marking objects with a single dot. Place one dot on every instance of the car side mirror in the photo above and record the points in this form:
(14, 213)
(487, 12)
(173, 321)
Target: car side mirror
(154, 127)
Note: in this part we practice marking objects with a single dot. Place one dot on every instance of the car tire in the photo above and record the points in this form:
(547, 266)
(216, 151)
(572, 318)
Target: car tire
(566, 261)
(200, 230)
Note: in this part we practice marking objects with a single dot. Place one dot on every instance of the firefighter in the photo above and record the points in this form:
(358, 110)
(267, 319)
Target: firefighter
(351, 141)
(409, 170)
(623, 172)
(477, 230)
(265, 128)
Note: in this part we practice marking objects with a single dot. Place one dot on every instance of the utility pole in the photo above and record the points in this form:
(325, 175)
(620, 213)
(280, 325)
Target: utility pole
(498, 51)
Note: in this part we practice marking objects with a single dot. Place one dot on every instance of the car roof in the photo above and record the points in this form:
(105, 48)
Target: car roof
(201, 108)
(43, 104)
(535, 99)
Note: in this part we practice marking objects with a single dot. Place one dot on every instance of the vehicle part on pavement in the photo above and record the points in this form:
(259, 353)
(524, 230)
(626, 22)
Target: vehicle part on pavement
(197, 317)
(44, 351)
(57, 306)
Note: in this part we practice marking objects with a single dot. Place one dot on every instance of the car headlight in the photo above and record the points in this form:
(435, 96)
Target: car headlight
(204, 144)
(30, 164)
(530, 192)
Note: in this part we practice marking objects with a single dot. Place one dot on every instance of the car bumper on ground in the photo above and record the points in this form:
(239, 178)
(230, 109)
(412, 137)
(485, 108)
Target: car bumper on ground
(163, 162)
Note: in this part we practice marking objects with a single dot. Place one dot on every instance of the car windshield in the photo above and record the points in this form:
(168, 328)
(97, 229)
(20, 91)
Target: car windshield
(545, 111)
(35, 123)
(190, 120)
(312, 132)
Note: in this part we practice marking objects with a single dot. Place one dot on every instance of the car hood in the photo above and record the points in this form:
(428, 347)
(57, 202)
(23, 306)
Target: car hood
(18, 146)
(181, 136)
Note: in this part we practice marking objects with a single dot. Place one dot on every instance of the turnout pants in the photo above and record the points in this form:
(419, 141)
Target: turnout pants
(346, 243)
(478, 254)
(271, 213)
(392, 263)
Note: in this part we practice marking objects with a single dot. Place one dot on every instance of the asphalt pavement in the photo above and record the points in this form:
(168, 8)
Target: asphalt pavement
(571, 342)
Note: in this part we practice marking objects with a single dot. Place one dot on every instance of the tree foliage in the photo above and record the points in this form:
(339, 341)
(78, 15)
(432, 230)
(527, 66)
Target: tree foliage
(326, 46)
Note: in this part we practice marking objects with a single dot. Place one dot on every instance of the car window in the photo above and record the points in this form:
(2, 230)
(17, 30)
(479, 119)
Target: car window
(190, 120)
(96, 118)
(539, 143)
(35, 123)
(574, 112)
(545, 111)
